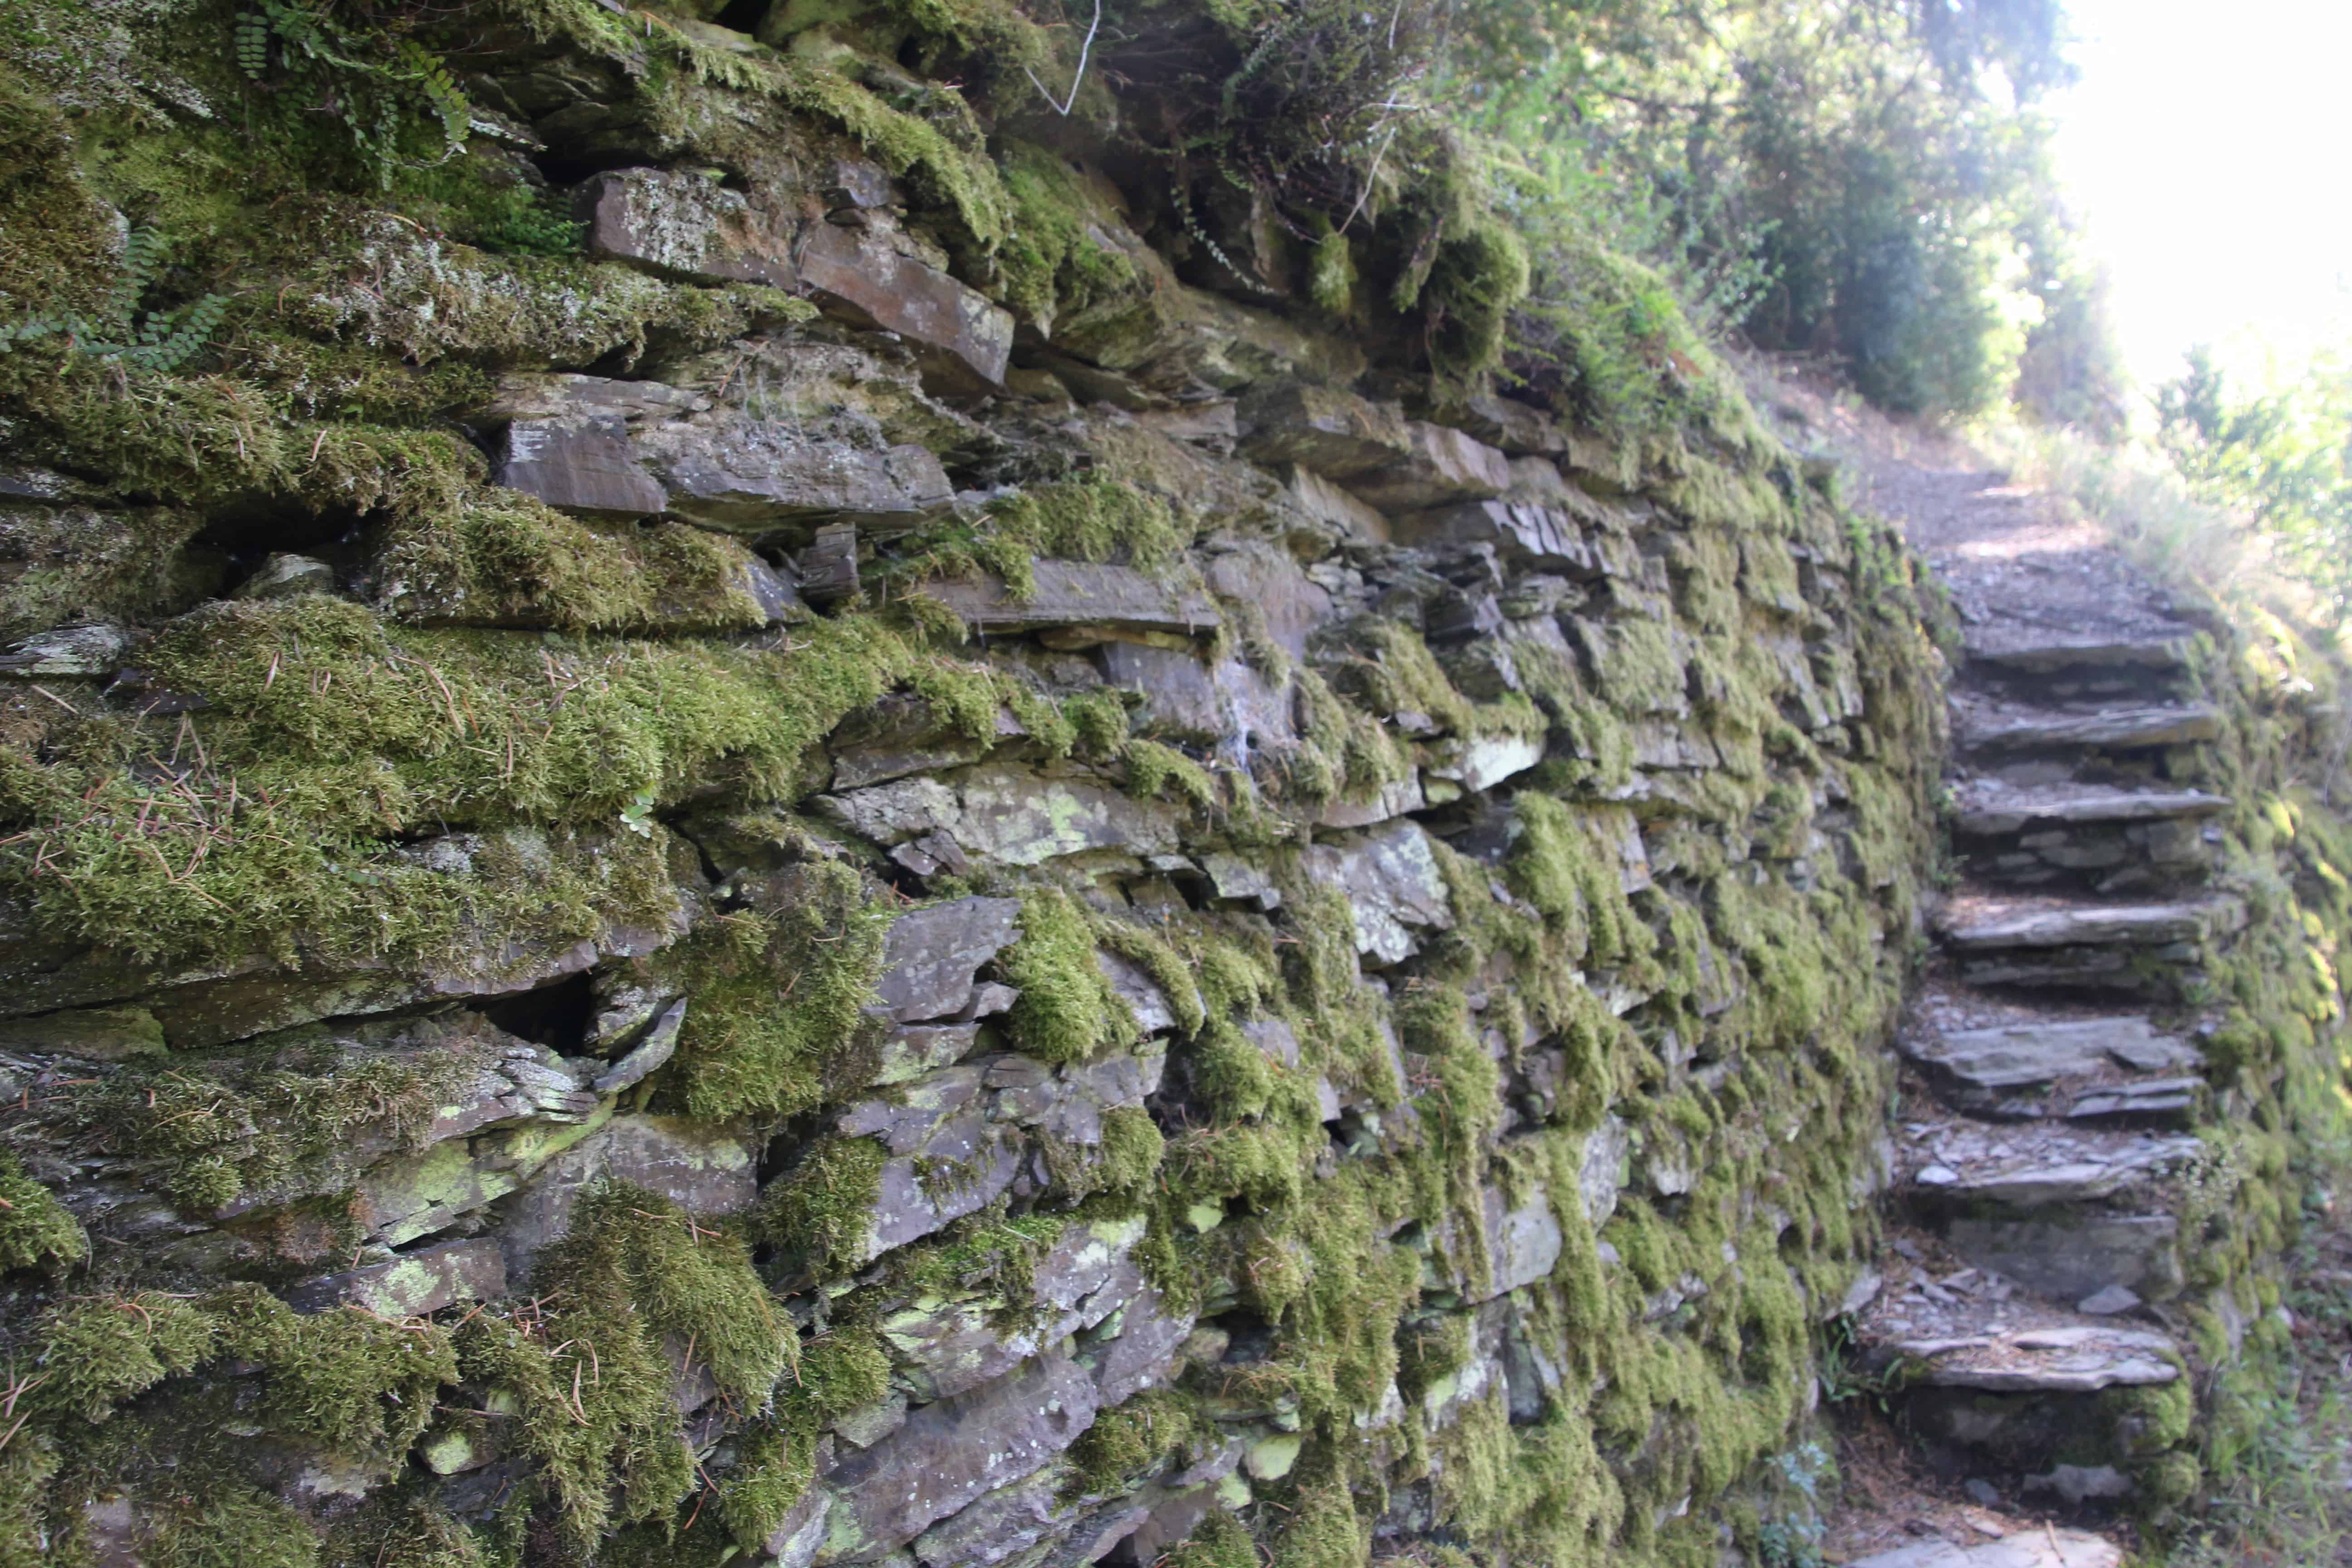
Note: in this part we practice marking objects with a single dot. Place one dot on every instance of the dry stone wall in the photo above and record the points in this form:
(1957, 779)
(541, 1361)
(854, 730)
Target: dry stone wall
(759, 894)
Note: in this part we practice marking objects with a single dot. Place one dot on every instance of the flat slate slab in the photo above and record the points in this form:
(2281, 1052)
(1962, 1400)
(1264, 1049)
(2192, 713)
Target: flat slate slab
(1986, 924)
(1993, 727)
(1988, 811)
(2033, 1165)
(2077, 1067)
(2028, 1548)
(2040, 653)
(1964, 1335)
(1075, 592)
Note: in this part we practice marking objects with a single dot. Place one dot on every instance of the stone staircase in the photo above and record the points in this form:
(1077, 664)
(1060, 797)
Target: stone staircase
(2052, 1075)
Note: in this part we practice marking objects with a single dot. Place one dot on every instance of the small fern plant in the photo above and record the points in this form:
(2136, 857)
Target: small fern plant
(372, 82)
(118, 331)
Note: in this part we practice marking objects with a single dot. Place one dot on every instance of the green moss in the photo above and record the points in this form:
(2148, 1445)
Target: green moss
(819, 1214)
(1068, 1011)
(226, 1524)
(98, 1350)
(1053, 261)
(778, 998)
(772, 1470)
(35, 1228)
(330, 729)
(593, 1377)
(353, 1381)
(1132, 1147)
(1128, 1443)
(502, 559)
(1219, 1541)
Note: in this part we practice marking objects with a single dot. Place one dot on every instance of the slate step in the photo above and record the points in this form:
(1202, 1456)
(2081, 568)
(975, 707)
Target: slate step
(1985, 726)
(2078, 944)
(2077, 1069)
(1999, 1379)
(2060, 1209)
(2028, 655)
(2111, 840)
(2041, 1548)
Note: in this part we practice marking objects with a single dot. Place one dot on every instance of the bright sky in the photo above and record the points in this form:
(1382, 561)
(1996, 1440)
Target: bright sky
(2206, 145)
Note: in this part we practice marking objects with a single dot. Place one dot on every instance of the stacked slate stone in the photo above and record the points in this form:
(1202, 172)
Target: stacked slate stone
(817, 923)
(2068, 1221)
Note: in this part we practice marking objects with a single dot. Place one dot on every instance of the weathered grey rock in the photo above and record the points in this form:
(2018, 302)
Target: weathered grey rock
(1393, 886)
(686, 225)
(1232, 876)
(650, 1053)
(1369, 808)
(1608, 1149)
(1077, 593)
(945, 1348)
(580, 465)
(958, 1164)
(742, 471)
(1005, 814)
(2078, 1484)
(1476, 762)
(2072, 1257)
(931, 956)
(950, 1453)
(1144, 998)
(1986, 1070)
(919, 1049)
(2058, 1165)
(284, 576)
(857, 273)
(1012, 1521)
(87, 649)
(1226, 703)
(2107, 1301)
(1284, 600)
(1137, 1347)
(1536, 538)
(1522, 1243)
(705, 1168)
(420, 1282)
(1391, 463)
(92, 1034)
(2044, 655)
(1334, 507)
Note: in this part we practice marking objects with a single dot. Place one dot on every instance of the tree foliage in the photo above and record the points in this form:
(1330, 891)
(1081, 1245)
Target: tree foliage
(2281, 459)
(1867, 180)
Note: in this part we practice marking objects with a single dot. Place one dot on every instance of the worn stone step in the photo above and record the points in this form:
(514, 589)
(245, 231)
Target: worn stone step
(2148, 950)
(2108, 839)
(1983, 726)
(2060, 1208)
(1984, 922)
(2016, 652)
(2075, 1069)
(1986, 1372)
(2040, 1547)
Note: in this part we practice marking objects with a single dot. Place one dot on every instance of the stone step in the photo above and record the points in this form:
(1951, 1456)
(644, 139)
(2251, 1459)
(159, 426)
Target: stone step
(2077, 1069)
(2150, 950)
(2041, 1548)
(1989, 808)
(1985, 922)
(1985, 1373)
(1984, 726)
(2014, 652)
(2111, 840)
(2062, 1209)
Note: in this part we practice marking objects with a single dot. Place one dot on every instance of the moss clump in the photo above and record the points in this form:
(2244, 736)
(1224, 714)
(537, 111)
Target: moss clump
(226, 1524)
(1056, 257)
(778, 996)
(96, 1352)
(594, 1376)
(1068, 1011)
(35, 1228)
(356, 1383)
(819, 1217)
(501, 559)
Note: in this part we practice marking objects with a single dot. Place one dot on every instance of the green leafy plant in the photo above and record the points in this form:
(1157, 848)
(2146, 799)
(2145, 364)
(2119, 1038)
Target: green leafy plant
(376, 83)
(119, 330)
